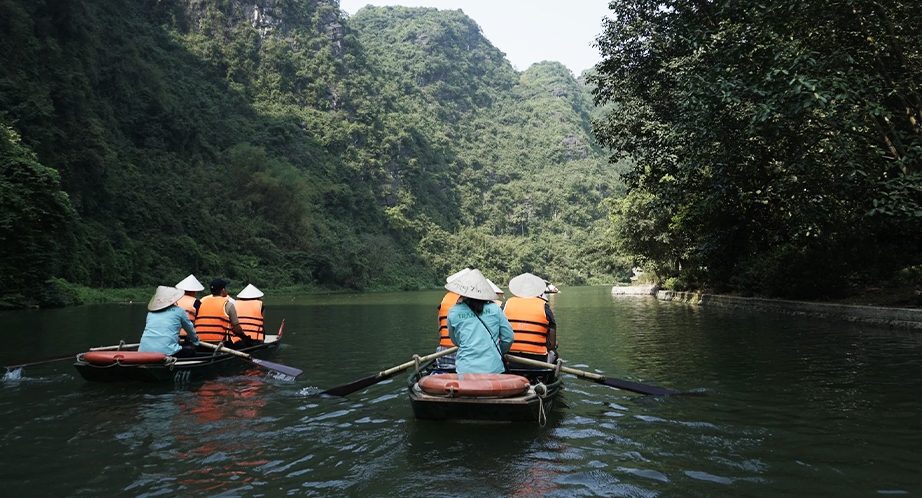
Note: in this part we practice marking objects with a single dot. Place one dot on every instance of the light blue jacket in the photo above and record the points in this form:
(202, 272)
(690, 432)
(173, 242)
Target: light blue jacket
(478, 349)
(161, 333)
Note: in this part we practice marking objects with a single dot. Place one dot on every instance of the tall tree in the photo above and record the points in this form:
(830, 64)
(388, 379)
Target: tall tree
(777, 144)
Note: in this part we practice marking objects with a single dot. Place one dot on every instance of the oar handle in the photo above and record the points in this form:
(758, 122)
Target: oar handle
(225, 350)
(551, 366)
(404, 366)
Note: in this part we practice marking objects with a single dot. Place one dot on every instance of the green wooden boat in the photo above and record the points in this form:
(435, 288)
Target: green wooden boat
(532, 405)
(206, 364)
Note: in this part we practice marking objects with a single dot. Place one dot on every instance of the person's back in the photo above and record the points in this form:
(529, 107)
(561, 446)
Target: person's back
(529, 323)
(477, 326)
(251, 312)
(447, 362)
(531, 318)
(482, 339)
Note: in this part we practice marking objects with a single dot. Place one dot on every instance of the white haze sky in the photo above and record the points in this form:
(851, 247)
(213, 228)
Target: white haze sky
(528, 31)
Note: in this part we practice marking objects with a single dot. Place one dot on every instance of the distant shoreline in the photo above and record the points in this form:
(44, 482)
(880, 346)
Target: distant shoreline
(894, 317)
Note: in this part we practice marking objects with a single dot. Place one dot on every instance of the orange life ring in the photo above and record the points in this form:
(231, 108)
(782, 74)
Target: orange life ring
(474, 385)
(123, 357)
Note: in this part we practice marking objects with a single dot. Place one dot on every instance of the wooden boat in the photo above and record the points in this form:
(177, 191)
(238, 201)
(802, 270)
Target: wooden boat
(123, 363)
(532, 404)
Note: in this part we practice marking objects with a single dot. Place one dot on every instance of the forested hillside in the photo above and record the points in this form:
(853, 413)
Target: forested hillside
(283, 144)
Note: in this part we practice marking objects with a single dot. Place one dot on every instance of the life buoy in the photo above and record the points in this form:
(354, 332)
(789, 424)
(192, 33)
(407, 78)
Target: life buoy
(474, 385)
(123, 357)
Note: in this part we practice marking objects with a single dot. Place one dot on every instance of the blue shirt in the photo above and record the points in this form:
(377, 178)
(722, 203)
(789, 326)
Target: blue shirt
(478, 349)
(161, 333)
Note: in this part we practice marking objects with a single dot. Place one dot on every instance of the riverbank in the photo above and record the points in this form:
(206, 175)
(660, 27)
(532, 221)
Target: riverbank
(880, 315)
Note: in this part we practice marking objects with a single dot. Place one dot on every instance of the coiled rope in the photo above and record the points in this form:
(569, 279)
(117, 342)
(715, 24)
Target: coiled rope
(541, 391)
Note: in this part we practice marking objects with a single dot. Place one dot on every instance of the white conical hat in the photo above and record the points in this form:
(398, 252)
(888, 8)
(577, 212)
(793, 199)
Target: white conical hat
(164, 297)
(453, 276)
(250, 292)
(551, 288)
(473, 285)
(190, 283)
(527, 285)
(495, 288)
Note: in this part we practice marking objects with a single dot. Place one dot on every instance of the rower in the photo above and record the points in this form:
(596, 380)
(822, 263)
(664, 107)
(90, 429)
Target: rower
(217, 318)
(189, 301)
(447, 362)
(250, 312)
(531, 318)
(164, 319)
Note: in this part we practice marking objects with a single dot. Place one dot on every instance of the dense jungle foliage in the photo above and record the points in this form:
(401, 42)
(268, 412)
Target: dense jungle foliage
(279, 143)
(776, 144)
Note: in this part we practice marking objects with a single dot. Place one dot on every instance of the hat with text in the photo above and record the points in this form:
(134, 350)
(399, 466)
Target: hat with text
(527, 285)
(191, 284)
(473, 285)
(250, 292)
(164, 297)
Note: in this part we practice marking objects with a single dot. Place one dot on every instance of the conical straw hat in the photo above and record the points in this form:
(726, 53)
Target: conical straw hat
(551, 288)
(164, 297)
(453, 276)
(250, 292)
(495, 288)
(190, 283)
(527, 285)
(473, 285)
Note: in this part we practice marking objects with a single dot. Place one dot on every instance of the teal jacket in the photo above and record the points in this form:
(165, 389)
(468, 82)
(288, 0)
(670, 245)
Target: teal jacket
(478, 348)
(161, 333)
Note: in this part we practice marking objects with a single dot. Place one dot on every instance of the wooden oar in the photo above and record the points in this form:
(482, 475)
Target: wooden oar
(66, 356)
(599, 379)
(290, 371)
(354, 386)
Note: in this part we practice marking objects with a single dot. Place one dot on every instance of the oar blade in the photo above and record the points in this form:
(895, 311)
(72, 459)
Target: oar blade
(289, 371)
(637, 388)
(347, 389)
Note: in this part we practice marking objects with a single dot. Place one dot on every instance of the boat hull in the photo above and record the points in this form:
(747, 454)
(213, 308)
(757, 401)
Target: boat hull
(203, 366)
(533, 405)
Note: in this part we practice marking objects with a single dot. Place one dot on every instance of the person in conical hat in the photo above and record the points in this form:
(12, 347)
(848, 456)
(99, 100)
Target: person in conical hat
(447, 362)
(190, 284)
(250, 292)
(189, 301)
(531, 318)
(477, 326)
(251, 313)
(164, 320)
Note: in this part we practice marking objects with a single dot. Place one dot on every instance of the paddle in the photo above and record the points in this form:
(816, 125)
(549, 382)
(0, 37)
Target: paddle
(599, 379)
(290, 371)
(354, 386)
(66, 357)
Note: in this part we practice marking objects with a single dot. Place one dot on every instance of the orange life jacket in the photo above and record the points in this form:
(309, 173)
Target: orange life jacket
(250, 314)
(212, 323)
(529, 323)
(187, 303)
(448, 301)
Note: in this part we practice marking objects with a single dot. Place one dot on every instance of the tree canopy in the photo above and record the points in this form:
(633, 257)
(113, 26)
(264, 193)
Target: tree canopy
(776, 144)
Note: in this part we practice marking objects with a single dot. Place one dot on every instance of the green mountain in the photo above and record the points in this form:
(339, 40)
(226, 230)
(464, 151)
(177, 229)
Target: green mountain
(280, 143)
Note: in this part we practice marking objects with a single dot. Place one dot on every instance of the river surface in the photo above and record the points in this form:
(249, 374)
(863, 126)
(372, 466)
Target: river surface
(780, 406)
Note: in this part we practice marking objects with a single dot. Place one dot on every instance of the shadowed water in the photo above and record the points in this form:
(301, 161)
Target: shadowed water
(780, 406)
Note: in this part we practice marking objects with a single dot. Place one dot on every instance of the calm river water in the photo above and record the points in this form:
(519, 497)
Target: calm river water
(782, 407)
